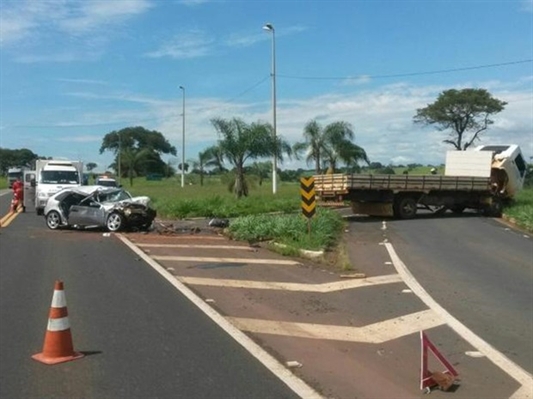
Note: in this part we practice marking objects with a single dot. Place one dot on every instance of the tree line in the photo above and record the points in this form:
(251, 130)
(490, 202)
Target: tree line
(464, 114)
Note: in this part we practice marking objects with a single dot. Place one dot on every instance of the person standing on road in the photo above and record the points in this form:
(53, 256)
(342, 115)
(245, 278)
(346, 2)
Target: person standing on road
(18, 195)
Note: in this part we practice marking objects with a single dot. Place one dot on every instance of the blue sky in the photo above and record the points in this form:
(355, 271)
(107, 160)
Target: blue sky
(72, 71)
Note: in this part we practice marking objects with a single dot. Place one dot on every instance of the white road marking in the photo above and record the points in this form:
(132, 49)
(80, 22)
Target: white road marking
(204, 246)
(373, 333)
(296, 384)
(226, 260)
(503, 362)
(271, 285)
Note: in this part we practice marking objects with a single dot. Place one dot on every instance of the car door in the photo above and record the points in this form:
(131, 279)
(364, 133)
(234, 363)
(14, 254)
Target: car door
(29, 189)
(87, 213)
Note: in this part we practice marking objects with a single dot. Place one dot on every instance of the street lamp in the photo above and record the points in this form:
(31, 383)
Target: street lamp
(183, 140)
(270, 27)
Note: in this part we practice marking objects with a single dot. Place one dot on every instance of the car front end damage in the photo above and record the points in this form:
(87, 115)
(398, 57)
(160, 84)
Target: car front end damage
(136, 215)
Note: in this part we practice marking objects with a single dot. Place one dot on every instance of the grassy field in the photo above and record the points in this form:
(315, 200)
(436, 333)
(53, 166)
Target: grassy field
(284, 221)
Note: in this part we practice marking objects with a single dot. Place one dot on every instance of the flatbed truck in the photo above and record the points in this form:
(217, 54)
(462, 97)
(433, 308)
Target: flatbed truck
(483, 179)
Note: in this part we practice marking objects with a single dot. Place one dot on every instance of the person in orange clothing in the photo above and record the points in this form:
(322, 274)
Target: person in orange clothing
(18, 195)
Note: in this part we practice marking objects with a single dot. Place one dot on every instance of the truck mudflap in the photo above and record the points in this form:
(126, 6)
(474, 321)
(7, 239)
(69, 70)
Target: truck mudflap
(372, 208)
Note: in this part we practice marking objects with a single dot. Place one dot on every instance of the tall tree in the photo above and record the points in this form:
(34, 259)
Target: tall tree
(240, 142)
(137, 139)
(206, 159)
(134, 160)
(262, 170)
(330, 145)
(19, 157)
(464, 112)
(90, 166)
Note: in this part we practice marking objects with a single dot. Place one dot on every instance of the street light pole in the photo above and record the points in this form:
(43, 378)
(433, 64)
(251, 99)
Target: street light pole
(270, 27)
(119, 159)
(183, 140)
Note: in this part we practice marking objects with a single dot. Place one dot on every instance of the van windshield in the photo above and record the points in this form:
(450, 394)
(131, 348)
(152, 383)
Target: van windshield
(59, 177)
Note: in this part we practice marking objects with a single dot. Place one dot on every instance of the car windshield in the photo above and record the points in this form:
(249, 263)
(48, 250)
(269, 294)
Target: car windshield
(114, 196)
(107, 183)
(59, 176)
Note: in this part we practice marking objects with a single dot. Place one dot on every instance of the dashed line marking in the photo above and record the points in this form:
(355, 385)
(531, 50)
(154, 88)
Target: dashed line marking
(266, 285)
(225, 260)
(373, 333)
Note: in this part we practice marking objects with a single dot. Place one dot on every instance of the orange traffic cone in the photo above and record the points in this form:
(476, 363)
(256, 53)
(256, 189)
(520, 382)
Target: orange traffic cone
(58, 346)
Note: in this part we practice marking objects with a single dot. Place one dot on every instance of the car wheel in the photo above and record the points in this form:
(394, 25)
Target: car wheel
(53, 220)
(114, 221)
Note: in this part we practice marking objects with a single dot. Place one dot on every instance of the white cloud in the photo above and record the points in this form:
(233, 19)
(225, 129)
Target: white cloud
(191, 44)
(527, 5)
(192, 2)
(79, 28)
(88, 16)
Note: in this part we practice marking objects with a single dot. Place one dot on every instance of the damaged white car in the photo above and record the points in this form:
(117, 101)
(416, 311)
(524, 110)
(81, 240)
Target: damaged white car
(98, 207)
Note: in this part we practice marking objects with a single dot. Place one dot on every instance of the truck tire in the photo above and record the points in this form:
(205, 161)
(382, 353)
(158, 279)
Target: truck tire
(404, 207)
(495, 209)
(457, 209)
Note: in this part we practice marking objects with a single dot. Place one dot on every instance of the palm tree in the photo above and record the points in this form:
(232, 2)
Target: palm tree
(261, 170)
(240, 142)
(207, 158)
(330, 145)
(132, 160)
(314, 143)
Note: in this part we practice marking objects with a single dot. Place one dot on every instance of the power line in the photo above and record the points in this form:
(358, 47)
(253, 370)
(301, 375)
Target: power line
(399, 75)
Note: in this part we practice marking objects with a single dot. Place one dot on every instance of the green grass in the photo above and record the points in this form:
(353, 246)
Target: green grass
(294, 231)
(213, 199)
(520, 210)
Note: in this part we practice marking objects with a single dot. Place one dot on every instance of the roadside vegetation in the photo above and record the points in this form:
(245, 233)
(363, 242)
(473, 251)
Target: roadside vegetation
(520, 210)
(226, 179)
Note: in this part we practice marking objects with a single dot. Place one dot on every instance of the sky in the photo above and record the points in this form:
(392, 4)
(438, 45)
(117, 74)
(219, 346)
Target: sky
(72, 71)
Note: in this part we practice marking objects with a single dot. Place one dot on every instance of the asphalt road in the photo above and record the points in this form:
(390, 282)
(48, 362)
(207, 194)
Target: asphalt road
(143, 339)
(479, 270)
(140, 337)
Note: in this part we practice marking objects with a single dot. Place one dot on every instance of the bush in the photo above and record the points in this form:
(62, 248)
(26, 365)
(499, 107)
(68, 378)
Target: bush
(292, 230)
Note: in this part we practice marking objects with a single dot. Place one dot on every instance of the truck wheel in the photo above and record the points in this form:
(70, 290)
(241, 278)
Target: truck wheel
(40, 212)
(457, 209)
(405, 207)
(114, 222)
(495, 209)
(53, 220)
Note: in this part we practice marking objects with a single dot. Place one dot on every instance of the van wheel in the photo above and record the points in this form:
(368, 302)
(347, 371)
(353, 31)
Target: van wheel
(404, 207)
(114, 222)
(53, 220)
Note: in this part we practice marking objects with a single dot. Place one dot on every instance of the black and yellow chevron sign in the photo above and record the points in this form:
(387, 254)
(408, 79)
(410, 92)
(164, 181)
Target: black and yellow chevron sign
(307, 191)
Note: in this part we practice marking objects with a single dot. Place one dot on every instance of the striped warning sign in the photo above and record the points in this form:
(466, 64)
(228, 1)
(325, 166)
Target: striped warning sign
(307, 191)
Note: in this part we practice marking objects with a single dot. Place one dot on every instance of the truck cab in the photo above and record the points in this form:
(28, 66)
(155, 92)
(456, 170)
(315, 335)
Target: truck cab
(13, 174)
(508, 170)
(52, 176)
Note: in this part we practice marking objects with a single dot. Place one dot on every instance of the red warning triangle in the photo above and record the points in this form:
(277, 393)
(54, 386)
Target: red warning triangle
(430, 379)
